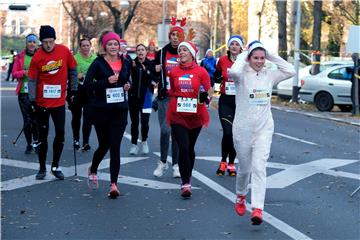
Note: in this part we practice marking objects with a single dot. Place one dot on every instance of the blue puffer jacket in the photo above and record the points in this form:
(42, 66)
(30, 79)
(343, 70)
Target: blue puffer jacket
(209, 63)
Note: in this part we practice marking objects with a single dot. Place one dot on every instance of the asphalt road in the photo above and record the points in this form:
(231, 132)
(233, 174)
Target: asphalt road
(313, 169)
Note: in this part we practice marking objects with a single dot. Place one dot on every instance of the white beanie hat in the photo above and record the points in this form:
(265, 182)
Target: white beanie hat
(191, 46)
(255, 44)
(237, 39)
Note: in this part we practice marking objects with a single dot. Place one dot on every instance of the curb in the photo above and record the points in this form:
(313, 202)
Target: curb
(318, 115)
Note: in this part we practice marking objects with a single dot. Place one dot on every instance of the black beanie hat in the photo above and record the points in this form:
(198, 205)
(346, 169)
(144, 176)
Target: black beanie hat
(47, 31)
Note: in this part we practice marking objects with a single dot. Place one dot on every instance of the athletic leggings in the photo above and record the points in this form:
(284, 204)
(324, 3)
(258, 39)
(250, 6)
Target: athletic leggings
(109, 132)
(30, 126)
(78, 109)
(135, 109)
(58, 116)
(186, 139)
(226, 114)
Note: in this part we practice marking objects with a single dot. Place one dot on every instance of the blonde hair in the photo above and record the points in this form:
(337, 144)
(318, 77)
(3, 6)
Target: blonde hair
(101, 50)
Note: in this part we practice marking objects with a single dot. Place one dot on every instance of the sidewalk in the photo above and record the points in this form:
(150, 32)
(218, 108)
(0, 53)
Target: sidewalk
(343, 117)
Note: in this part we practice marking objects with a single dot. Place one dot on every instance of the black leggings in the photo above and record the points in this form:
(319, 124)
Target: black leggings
(31, 130)
(77, 110)
(109, 133)
(135, 109)
(226, 114)
(186, 139)
(58, 116)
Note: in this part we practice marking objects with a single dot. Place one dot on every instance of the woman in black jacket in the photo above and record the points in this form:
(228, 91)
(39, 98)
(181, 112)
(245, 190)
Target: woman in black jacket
(107, 83)
(140, 97)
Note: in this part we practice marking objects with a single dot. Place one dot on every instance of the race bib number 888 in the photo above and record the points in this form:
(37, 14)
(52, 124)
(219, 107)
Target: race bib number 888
(188, 105)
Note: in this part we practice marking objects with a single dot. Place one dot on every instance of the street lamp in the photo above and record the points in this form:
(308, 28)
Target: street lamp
(124, 4)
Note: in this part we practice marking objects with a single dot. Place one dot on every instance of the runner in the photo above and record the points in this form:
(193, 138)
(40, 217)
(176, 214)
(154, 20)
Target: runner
(165, 61)
(253, 124)
(49, 71)
(83, 58)
(227, 104)
(209, 63)
(140, 98)
(151, 50)
(20, 72)
(187, 113)
(107, 82)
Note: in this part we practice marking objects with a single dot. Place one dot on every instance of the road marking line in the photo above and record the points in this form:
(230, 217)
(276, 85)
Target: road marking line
(275, 222)
(299, 172)
(295, 139)
(27, 181)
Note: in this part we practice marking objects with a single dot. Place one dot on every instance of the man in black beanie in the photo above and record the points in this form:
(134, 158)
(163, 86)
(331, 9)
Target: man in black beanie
(50, 68)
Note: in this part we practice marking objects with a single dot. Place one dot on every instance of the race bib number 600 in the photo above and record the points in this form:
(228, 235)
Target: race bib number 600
(114, 95)
(188, 105)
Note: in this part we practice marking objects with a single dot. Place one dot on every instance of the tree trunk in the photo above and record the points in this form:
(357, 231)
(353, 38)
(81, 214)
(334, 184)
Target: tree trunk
(282, 35)
(316, 37)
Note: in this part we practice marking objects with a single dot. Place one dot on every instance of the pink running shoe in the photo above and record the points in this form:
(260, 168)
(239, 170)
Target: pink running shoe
(240, 206)
(256, 216)
(93, 182)
(114, 192)
(186, 190)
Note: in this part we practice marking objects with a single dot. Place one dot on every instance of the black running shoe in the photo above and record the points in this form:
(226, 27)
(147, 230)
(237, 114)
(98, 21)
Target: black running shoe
(41, 174)
(86, 147)
(56, 171)
(29, 149)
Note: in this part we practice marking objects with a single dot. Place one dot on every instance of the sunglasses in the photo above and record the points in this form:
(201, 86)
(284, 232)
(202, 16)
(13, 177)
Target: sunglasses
(31, 41)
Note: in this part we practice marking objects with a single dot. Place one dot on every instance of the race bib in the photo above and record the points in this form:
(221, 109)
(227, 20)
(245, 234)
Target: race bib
(188, 105)
(52, 91)
(259, 96)
(168, 83)
(230, 88)
(25, 87)
(115, 95)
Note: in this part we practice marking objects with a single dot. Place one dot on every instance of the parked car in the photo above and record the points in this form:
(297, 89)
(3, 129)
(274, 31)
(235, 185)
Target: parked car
(4, 63)
(328, 88)
(284, 88)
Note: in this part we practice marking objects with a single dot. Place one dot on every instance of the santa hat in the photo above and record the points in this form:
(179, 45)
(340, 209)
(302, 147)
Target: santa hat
(176, 28)
(255, 44)
(152, 42)
(123, 43)
(237, 39)
(191, 46)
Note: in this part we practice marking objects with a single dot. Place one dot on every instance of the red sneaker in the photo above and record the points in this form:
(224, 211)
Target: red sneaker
(222, 168)
(256, 216)
(186, 190)
(114, 192)
(231, 169)
(240, 206)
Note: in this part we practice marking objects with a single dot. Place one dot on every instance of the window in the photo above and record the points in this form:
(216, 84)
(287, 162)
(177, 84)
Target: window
(344, 73)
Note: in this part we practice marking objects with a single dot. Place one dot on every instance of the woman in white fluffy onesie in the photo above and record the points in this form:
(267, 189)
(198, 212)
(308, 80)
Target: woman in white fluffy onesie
(253, 125)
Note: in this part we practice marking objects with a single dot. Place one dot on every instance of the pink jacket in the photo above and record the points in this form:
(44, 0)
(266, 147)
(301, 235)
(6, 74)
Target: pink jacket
(18, 70)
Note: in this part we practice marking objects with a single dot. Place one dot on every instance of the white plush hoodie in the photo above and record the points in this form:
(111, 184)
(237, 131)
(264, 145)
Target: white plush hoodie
(253, 124)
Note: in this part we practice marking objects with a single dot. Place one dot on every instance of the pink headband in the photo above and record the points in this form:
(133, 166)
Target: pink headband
(110, 36)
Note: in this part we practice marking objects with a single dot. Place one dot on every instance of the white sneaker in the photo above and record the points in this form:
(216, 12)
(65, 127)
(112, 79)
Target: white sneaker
(161, 167)
(145, 147)
(176, 172)
(134, 149)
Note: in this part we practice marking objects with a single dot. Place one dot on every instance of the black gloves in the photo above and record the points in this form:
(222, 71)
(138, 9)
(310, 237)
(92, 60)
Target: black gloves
(218, 79)
(204, 98)
(71, 98)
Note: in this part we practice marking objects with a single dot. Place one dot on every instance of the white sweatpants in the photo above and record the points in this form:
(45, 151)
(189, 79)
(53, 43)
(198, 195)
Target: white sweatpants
(253, 151)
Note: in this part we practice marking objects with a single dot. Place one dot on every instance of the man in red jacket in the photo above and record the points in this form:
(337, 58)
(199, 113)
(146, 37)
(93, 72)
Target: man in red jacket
(50, 68)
